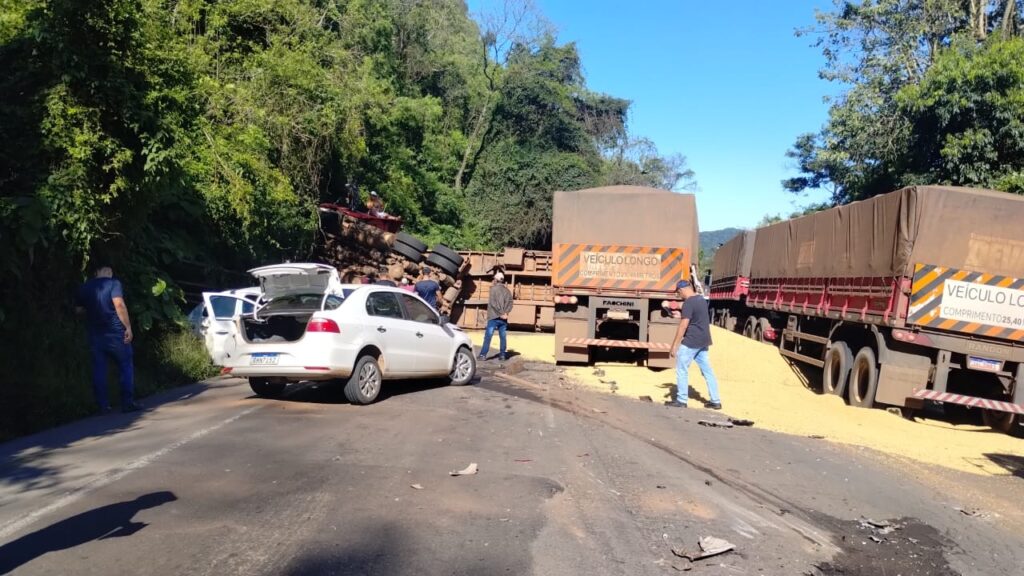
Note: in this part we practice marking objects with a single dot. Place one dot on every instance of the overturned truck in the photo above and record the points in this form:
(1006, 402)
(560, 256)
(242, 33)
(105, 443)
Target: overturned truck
(618, 253)
(909, 296)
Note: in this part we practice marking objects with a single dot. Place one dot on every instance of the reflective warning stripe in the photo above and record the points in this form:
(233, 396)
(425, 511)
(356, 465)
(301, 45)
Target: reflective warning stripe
(927, 295)
(584, 342)
(644, 268)
(971, 401)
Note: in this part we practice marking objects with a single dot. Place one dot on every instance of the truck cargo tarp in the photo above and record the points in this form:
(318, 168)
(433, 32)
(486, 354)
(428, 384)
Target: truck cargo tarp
(626, 215)
(735, 256)
(963, 228)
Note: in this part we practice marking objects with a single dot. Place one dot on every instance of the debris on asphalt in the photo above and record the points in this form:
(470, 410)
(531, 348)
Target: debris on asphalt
(514, 365)
(416, 486)
(599, 411)
(741, 422)
(707, 482)
(709, 546)
(522, 460)
(467, 471)
(816, 437)
(661, 487)
(715, 423)
(875, 539)
(972, 512)
(647, 399)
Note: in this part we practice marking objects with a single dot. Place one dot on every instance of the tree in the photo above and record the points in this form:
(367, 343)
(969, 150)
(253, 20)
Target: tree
(636, 161)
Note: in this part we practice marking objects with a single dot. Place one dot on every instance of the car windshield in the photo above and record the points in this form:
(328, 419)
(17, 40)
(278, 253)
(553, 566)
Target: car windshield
(304, 303)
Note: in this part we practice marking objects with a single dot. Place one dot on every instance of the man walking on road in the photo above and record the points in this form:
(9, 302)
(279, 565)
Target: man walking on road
(693, 338)
(499, 305)
(110, 336)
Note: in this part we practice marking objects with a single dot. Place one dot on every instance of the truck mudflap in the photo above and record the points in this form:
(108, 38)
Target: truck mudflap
(972, 401)
(586, 342)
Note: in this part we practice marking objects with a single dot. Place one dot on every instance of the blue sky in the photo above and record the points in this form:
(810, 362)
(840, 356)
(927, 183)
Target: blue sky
(728, 85)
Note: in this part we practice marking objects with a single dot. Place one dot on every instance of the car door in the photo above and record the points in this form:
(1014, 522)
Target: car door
(434, 352)
(394, 335)
(220, 326)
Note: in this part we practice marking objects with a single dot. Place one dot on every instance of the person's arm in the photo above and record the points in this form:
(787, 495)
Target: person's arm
(684, 323)
(117, 297)
(507, 304)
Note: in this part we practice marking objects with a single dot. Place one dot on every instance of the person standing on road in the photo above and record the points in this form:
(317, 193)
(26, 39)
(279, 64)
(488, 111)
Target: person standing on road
(499, 305)
(693, 338)
(429, 288)
(110, 336)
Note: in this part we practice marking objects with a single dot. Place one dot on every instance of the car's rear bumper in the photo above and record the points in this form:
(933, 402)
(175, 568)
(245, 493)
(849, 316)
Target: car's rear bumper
(324, 361)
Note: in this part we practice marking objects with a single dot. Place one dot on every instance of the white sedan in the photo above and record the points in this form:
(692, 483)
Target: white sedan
(309, 326)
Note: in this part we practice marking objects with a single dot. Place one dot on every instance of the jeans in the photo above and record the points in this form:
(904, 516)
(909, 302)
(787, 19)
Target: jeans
(501, 326)
(684, 356)
(103, 348)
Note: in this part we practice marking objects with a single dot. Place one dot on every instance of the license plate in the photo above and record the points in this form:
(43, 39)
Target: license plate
(984, 364)
(263, 359)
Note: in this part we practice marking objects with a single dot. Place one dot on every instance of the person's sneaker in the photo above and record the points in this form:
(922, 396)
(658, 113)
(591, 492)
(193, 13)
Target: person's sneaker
(713, 405)
(133, 407)
(675, 404)
(482, 358)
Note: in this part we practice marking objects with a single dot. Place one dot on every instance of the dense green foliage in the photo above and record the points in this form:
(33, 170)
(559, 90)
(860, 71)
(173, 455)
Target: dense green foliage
(936, 95)
(183, 141)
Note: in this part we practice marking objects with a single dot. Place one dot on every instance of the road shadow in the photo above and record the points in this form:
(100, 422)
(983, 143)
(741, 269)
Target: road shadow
(809, 376)
(333, 392)
(387, 548)
(110, 521)
(23, 460)
(1012, 463)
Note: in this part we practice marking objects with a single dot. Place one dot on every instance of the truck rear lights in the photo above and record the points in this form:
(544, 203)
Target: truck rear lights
(912, 337)
(323, 325)
(566, 300)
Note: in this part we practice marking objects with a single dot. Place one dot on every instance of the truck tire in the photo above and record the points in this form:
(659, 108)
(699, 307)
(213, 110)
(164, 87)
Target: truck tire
(836, 371)
(448, 254)
(863, 379)
(364, 384)
(1004, 422)
(407, 252)
(410, 241)
(464, 367)
(748, 327)
(265, 388)
(730, 323)
(447, 266)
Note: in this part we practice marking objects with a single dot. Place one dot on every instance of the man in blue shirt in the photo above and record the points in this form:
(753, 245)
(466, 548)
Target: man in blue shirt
(429, 288)
(110, 336)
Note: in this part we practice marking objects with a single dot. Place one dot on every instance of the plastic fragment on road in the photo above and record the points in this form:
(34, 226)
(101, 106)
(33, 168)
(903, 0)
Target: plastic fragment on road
(714, 424)
(416, 486)
(740, 422)
(467, 471)
(709, 546)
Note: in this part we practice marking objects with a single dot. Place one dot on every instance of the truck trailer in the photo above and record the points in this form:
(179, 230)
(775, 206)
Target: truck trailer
(912, 296)
(618, 253)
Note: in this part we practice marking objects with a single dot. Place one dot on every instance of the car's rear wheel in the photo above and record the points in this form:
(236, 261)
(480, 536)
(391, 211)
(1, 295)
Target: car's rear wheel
(464, 367)
(266, 388)
(364, 385)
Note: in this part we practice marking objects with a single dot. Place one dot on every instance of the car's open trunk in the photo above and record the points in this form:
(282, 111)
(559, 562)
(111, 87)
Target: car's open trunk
(276, 328)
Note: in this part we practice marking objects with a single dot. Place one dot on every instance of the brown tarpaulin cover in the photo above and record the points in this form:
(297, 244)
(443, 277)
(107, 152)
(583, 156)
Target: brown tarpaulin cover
(735, 256)
(963, 228)
(626, 216)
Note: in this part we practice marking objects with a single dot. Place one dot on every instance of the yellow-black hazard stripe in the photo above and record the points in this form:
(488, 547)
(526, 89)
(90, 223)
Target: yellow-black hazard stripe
(926, 300)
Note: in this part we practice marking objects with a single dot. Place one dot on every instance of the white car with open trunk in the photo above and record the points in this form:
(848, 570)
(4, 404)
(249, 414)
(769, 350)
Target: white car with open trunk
(310, 326)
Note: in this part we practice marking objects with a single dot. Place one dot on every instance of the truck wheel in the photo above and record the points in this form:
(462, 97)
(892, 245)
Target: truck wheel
(863, 379)
(265, 388)
(1004, 422)
(464, 367)
(448, 254)
(407, 252)
(364, 384)
(836, 371)
(748, 328)
(410, 241)
(730, 323)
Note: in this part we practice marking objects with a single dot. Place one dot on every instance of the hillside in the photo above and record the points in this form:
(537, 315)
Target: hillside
(712, 239)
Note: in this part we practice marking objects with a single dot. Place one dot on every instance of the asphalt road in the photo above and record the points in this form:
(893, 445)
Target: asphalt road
(214, 481)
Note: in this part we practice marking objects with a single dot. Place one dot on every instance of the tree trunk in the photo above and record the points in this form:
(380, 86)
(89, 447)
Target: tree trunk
(1009, 18)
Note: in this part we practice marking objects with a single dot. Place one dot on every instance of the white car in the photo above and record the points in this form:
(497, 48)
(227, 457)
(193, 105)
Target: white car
(225, 307)
(311, 327)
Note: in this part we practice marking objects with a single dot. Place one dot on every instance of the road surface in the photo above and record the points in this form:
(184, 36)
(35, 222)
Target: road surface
(215, 481)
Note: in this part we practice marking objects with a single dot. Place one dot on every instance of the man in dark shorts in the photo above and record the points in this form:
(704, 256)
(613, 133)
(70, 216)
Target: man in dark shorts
(110, 336)
(693, 338)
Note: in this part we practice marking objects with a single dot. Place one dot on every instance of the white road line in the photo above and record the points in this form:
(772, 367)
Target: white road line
(109, 478)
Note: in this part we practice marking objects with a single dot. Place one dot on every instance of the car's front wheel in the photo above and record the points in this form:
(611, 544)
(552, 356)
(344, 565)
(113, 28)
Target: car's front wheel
(464, 367)
(364, 385)
(266, 388)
